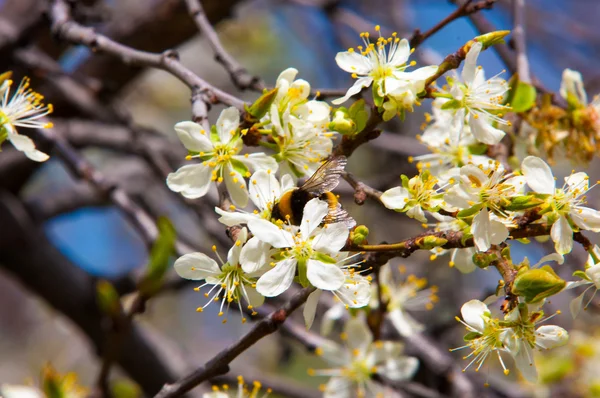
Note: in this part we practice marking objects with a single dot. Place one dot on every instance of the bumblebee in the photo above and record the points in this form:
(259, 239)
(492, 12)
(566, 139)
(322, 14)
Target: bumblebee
(290, 207)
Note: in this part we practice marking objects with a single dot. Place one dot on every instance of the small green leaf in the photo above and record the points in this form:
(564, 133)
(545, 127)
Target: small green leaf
(261, 106)
(537, 284)
(108, 298)
(470, 212)
(160, 254)
(360, 114)
(582, 275)
(522, 95)
(489, 39)
(471, 336)
(525, 202)
(377, 99)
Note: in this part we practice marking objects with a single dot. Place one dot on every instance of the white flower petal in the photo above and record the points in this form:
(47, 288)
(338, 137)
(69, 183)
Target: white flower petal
(562, 235)
(324, 276)
(196, 266)
(37, 156)
(287, 183)
(233, 256)
(315, 211)
(483, 130)
(538, 175)
(310, 308)
(270, 233)
(236, 186)
(572, 83)
(258, 161)
(473, 314)
(551, 336)
(470, 64)
(576, 304)
(193, 137)
(355, 89)
(227, 124)
(332, 238)
(525, 364)
(586, 218)
(401, 55)
(338, 387)
(498, 232)
(255, 299)
(395, 198)
(277, 280)
(481, 230)
(399, 369)
(404, 323)
(231, 218)
(254, 255)
(463, 259)
(358, 334)
(192, 180)
(263, 188)
(578, 181)
(333, 314)
(27, 146)
(16, 391)
(353, 62)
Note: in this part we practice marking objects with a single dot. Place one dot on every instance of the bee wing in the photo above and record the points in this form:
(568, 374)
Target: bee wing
(339, 215)
(327, 177)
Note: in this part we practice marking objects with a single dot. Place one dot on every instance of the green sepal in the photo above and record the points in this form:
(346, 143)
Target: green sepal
(452, 104)
(524, 202)
(478, 149)
(214, 135)
(470, 212)
(160, 254)
(324, 258)
(537, 284)
(342, 122)
(302, 278)
(360, 114)
(582, 275)
(405, 180)
(471, 336)
(377, 99)
(261, 106)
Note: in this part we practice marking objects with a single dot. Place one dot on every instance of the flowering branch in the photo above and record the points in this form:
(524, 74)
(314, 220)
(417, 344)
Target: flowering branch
(219, 364)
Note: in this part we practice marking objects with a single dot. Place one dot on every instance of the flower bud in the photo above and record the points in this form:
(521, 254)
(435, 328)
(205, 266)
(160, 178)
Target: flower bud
(537, 284)
(342, 123)
(261, 106)
(430, 242)
(489, 39)
(359, 235)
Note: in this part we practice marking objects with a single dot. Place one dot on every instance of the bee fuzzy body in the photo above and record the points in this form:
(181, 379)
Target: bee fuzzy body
(290, 206)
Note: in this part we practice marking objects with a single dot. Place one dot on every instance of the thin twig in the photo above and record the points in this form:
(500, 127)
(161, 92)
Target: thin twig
(66, 29)
(219, 364)
(361, 190)
(239, 75)
(520, 42)
(466, 8)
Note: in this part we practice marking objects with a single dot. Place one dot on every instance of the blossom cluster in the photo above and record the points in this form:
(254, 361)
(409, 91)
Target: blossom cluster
(473, 201)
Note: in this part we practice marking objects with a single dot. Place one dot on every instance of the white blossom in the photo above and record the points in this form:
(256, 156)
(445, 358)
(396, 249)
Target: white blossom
(228, 283)
(23, 109)
(359, 359)
(384, 66)
(566, 212)
(218, 151)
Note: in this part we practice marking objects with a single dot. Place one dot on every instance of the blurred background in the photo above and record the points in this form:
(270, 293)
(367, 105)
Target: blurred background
(58, 235)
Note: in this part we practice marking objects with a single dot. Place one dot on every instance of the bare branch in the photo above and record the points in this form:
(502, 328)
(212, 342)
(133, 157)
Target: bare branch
(239, 75)
(67, 29)
(219, 364)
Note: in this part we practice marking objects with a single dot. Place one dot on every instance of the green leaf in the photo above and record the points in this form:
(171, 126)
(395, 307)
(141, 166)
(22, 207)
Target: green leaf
(377, 99)
(521, 96)
(525, 202)
(160, 254)
(108, 298)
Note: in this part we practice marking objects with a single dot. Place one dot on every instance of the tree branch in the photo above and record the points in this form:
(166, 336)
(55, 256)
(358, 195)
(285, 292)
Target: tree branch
(219, 364)
(239, 75)
(67, 29)
(520, 42)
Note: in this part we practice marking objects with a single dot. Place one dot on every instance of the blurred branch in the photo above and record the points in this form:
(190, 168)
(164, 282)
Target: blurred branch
(219, 364)
(67, 29)
(27, 253)
(519, 39)
(466, 8)
(361, 190)
(239, 75)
